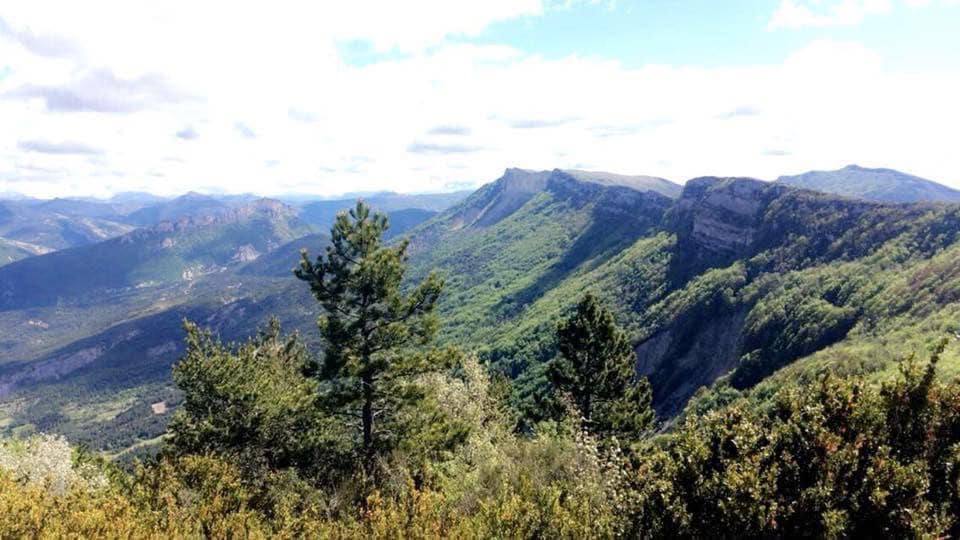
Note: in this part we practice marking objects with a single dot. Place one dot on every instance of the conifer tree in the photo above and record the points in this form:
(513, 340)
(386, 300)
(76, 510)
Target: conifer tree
(596, 368)
(367, 324)
(252, 405)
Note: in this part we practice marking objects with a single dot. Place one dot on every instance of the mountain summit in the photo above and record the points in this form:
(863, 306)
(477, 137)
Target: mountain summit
(883, 185)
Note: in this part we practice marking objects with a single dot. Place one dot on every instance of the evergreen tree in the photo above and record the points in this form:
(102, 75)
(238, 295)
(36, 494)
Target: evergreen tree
(367, 324)
(252, 405)
(596, 367)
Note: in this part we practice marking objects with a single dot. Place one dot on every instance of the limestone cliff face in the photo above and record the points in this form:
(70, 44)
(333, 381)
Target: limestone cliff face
(751, 228)
(720, 217)
(717, 221)
(678, 364)
(498, 200)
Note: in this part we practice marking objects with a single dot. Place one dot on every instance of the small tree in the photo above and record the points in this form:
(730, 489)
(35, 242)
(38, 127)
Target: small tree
(367, 322)
(596, 367)
(252, 405)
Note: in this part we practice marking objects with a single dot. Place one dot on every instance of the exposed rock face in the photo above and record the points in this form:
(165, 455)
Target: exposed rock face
(722, 215)
(719, 220)
(494, 202)
(674, 362)
(268, 209)
(498, 200)
(50, 369)
(245, 253)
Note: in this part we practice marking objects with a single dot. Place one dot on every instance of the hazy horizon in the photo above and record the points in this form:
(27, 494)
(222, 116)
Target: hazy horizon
(290, 196)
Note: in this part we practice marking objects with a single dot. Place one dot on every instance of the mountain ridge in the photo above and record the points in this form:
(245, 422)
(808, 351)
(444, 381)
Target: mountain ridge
(169, 251)
(880, 184)
(701, 283)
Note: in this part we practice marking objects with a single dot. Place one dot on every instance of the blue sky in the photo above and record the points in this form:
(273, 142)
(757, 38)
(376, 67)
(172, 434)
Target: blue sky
(715, 33)
(427, 95)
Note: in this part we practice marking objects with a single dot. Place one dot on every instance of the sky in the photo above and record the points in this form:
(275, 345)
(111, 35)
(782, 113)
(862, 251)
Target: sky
(321, 97)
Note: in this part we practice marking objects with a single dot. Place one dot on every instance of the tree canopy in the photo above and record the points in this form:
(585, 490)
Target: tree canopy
(369, 324)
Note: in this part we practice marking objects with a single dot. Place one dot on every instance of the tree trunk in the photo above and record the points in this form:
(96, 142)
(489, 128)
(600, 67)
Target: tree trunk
(586, 408)
(368, 420)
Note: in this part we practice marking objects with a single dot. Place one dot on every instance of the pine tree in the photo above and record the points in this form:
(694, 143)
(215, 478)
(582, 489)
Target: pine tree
(596, 368)
(367, 324)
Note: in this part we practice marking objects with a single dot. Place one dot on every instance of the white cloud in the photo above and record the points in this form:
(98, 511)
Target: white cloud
(820, 13)
(268, 105)
(827, 13)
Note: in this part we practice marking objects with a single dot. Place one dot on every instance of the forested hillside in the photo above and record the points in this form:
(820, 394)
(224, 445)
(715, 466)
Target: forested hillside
(388, 435)
(735, 284)
(172, 251)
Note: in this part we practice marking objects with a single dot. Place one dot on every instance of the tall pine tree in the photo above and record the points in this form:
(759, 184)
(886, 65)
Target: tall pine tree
(596, 368)
(368, 325)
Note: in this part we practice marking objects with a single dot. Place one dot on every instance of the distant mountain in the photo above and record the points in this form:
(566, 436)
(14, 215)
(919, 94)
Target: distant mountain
(281, 261)
(77, 207)
(139, 197)
(14, 196)
(884, 185)
(54, 224)
(180, 250)
(13, 250)
(190, 204)
(416, 208)
(128, 202)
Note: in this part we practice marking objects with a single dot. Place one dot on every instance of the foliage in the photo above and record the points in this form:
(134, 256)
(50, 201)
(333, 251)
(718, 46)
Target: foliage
(253, 406)
(834, 459)
(48, 462)
(839, 458)
(596, 368)
(367, 323)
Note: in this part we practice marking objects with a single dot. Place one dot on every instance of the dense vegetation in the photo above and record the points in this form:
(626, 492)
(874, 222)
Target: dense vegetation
(383, 436)
(836, 458)
(730, 294)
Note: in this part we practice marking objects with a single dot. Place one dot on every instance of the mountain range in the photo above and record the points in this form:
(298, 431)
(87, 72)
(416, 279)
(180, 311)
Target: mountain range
(725, 285)
(33, 227)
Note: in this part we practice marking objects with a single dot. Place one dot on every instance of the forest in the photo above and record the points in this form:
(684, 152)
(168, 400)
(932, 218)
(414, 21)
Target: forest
(382, 431)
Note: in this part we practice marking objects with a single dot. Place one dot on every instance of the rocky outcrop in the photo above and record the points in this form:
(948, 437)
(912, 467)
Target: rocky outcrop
(266, 209)
(678, 363)
(717, 221)
(722, 215)
(495, 201)
(245, 253)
